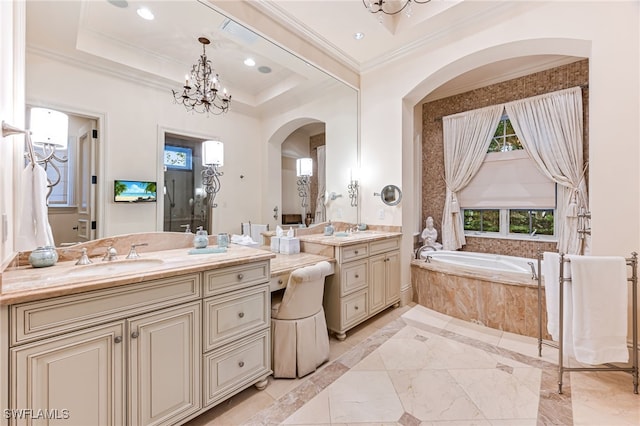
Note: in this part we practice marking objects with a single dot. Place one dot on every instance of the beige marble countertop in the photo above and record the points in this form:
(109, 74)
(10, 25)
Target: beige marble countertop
(286, 263)
(352, 238)
(24, 283)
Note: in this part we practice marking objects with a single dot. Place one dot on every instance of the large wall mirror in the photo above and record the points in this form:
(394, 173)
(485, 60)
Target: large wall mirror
(98, 60)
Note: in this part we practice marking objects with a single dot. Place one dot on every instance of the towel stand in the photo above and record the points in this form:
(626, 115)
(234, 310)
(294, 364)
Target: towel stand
(631, 261)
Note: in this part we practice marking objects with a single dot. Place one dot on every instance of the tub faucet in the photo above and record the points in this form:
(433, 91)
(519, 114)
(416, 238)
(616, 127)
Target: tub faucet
(423, 248)
(534, 275)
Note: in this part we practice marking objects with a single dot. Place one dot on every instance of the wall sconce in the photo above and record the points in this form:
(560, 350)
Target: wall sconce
(49, 132)
(353, 187)
(212, 158)
(304, 170)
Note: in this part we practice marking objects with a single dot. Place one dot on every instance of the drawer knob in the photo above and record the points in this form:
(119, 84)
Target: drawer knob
(240, 276)
(135, 335)
(117, 339)
(357, 276)
(355, 252)
(280, 282)
(241, 314)
(241, 364)
(356, 307)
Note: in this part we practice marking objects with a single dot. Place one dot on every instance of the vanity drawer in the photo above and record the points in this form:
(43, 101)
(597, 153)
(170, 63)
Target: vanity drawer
(354, 309)
(353, 277)
(230, 368)
(35, 320)
(278, 282)
(235, 315)
(354, 252)
(222, 280)
(382, 246)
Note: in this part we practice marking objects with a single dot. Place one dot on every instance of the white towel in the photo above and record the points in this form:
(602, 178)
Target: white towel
(34, 230)
(599, 308)
(551, 274)
(256, 232)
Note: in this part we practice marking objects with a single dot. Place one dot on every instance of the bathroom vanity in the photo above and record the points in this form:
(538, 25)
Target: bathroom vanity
(366, 278)
(156, 340)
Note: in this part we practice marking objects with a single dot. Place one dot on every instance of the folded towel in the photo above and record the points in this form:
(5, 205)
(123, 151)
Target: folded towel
(551, 273)
(599, 308)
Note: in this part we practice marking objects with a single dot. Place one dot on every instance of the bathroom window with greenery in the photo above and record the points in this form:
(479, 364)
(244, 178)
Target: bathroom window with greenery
(509, 196)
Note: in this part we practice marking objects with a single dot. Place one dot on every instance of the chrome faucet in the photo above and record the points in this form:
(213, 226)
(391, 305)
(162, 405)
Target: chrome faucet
(534, 275)
(423, 248)
(84, 258)
(133, 254)
(110, 255)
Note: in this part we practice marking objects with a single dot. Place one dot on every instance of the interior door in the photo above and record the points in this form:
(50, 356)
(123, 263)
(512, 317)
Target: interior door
(86, 184)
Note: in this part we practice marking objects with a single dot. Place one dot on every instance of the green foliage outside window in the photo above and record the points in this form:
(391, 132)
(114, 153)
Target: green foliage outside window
(528, 221)
(482, 220)
(505, 138)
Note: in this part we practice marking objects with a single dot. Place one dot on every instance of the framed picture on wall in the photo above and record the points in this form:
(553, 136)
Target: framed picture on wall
(177, 158)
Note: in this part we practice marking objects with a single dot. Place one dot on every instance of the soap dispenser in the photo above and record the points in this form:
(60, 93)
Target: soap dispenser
(328, 230)
(201, 240)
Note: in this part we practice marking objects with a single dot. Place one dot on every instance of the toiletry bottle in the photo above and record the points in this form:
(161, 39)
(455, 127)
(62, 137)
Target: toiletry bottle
(201, 240)
(328, 230)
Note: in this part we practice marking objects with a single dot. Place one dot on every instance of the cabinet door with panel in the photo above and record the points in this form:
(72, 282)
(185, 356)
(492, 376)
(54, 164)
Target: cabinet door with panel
(377, 283)
(77, 378)
(392, 275)
(164, 364)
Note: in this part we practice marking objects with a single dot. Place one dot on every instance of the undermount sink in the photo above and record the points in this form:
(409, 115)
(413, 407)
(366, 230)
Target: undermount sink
(115, 267)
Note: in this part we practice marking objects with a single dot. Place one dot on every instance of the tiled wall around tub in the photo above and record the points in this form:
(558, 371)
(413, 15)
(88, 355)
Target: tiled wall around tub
(433, 192)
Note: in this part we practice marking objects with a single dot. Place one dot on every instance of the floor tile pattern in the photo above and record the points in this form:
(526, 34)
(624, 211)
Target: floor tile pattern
(414, 366)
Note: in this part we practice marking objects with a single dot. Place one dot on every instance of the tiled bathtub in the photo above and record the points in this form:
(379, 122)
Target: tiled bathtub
(500, 293)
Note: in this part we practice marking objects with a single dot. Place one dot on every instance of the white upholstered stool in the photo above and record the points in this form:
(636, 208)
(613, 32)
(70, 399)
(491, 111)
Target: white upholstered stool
(300, 340)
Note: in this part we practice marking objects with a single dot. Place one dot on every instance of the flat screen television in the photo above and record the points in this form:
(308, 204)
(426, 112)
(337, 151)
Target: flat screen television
(134, 191)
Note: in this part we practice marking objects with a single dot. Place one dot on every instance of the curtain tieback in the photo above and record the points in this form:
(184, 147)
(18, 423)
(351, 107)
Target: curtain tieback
(455, 207)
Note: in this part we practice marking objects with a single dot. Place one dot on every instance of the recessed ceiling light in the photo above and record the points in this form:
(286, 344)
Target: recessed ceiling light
(249, 62)
(358, 36)
(264, 70)
(145, 13)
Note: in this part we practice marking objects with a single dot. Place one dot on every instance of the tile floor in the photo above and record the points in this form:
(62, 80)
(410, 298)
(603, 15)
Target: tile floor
(413, 366)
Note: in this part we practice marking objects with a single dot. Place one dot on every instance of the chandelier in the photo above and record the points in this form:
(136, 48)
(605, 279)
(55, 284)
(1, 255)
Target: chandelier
(201, 91)
(396, 7)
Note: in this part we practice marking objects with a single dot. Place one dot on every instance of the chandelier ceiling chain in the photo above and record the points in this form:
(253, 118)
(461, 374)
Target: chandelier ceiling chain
(378, 6)
(201, 91)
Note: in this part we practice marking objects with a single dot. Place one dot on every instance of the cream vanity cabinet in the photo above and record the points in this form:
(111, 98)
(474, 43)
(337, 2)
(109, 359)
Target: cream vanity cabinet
(237, 321)
(141, 354)
(366, 281)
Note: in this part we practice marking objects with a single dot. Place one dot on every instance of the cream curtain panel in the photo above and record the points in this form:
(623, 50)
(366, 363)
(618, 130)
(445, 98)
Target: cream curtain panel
(466, 138)
(550, 129)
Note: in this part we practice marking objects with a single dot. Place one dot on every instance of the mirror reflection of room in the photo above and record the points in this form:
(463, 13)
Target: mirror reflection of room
(185, 205)
(298, 209)
(70, 165)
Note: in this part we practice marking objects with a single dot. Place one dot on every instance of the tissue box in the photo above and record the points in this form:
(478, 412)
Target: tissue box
(275, 244)
(289, 245)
